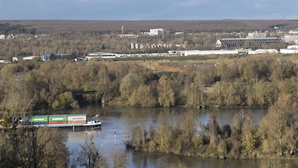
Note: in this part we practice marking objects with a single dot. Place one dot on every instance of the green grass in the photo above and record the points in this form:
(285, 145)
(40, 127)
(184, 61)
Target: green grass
(194, 58)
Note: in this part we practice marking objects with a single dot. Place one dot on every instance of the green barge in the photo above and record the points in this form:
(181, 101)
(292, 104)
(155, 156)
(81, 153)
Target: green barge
(59, 121)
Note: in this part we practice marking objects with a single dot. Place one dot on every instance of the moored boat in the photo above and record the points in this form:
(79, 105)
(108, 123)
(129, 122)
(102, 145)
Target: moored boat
(59, 121)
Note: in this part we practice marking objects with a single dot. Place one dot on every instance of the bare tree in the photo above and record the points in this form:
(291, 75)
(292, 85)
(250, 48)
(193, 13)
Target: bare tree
(32, 148)
(89, 155)
(118, 158)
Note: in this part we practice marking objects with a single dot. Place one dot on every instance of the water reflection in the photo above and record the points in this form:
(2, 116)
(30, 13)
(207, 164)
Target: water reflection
(121, 120)
(144, 159)
(278, 163)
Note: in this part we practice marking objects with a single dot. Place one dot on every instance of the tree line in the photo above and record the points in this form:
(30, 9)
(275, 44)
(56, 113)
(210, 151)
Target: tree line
(246, 81)
(275, 137)
(6, 28)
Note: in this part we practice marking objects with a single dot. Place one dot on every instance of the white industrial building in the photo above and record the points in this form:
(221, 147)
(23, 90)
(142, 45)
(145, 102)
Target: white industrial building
(2, 37)
(27, 58)
(290, 38)
(292, 47)
(256, 35)
(288, 51)
(179, 33)
(293, 32)
(128, 36)
(102, 55)
(221, 52)
(264, 51)
(155, 32)
(202, 52)
(135, 46)
(210, 52)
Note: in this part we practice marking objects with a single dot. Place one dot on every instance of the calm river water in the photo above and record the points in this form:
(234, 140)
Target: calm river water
(120, 120)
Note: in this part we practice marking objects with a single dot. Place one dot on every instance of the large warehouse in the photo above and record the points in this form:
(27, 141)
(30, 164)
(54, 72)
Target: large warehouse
(291, 38)
(102, 55)
(252, 37)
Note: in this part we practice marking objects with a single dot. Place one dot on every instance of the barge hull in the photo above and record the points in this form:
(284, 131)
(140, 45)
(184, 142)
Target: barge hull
(73, 126)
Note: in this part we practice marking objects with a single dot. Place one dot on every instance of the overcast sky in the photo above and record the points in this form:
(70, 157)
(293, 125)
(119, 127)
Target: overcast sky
(148, 9)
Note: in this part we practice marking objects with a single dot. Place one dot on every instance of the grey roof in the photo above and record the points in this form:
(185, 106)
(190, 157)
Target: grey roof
(232, 42)
(60, 115)
(102, 53)
(76, 115)
(40, 116)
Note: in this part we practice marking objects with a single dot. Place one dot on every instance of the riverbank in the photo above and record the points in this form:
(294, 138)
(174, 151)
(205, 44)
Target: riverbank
(275, 137)
(244, 156)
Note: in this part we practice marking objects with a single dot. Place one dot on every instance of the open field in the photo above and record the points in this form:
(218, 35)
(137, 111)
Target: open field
(188, 58)
(47, 26)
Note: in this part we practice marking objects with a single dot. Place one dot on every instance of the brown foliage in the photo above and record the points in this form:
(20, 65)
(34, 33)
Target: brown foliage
(278, 131)
(165, 92)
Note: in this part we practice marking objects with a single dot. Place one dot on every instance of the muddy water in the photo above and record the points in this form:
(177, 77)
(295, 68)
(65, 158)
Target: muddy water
(120, 120)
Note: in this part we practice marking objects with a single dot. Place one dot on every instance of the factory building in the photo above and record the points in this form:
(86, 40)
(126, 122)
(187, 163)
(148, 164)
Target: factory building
(252, 37)
(290, 38)
(292, 47)
(102, 55)
(210, 52)
(256, 35)
(128, 36)
(155, 32)
(2, 37)
(202, 52)
(179, 33)
(263, 51)
(47, 57)
(288, 51)
(27, 58)
(293, 32)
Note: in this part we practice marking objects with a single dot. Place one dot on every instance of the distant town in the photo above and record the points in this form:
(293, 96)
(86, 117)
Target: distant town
(156, 42)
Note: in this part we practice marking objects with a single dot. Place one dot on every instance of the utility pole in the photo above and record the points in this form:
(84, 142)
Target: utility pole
(115, 137)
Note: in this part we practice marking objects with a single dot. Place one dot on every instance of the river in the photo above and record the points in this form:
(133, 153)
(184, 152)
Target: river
(120, 120)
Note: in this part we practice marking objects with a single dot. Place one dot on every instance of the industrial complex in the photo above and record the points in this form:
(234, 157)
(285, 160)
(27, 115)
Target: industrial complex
(229, 46)
(252, 37)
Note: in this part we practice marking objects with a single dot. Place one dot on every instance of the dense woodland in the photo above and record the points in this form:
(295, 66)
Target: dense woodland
(275, 137)
(245, 81)
(13, 29)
